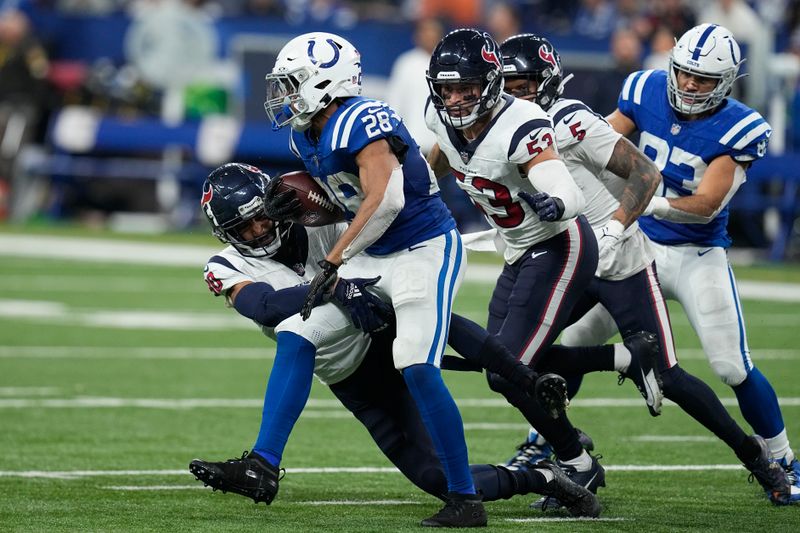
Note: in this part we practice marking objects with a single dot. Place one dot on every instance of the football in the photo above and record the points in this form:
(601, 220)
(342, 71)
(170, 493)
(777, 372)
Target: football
(318, 209)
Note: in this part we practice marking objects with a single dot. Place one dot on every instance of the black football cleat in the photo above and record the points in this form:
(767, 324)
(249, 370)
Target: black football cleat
(551, 393)
(591, 480)
(460, 510)
(769, 474)
(578, 500)
(644, 370)
(250, 476)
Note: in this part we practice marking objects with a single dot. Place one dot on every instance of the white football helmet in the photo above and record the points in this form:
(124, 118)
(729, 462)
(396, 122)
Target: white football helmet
(706, 50)
(311, 70)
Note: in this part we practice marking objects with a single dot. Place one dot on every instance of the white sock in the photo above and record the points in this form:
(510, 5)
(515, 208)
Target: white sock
(622, 357)
(547, 474)
(582, 463)
(779, 447)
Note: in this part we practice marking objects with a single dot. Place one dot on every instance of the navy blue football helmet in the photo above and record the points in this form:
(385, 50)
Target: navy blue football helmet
(533, 58)
(466, 56)
(233, 195)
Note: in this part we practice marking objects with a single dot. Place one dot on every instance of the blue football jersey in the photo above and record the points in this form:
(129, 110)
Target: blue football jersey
(331, 160)
(682, 150)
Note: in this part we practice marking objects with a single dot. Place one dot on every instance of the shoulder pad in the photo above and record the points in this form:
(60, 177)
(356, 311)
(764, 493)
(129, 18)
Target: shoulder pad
(365, 121)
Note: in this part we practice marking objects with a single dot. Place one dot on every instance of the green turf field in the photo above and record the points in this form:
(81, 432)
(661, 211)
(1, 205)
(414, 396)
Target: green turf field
(114, 375)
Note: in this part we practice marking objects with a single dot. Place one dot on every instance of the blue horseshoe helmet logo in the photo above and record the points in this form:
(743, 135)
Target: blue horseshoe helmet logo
(327, 64)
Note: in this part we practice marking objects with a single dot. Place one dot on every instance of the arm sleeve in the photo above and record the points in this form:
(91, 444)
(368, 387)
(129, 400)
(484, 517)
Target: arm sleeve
(260, 302)
(552, 177)
(390, 206)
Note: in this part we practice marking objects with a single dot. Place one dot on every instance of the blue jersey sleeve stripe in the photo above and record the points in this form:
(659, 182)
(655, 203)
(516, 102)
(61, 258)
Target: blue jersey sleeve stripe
(524, 130)
(351, 119)
(739, 126)
(637, 92)
(218, 259)
(751, 136)
(626, 89)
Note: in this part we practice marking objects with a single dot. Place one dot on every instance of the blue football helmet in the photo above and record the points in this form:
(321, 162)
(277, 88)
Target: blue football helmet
(533, 58)
(471, 57)
(233, 195)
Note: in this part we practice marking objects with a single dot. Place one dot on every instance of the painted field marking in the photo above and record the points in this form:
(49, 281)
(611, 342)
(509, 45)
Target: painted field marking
(79, 474)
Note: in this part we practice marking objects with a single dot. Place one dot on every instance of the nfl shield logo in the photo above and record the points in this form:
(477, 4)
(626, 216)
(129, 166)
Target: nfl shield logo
(465, 157)
(675, 129)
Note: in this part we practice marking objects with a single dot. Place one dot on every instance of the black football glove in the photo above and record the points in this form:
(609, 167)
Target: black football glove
(320, 285)
(549, 208)
(369, 313)
(280, 206)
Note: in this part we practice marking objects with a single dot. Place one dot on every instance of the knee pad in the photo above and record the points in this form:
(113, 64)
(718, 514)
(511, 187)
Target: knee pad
(729, 369)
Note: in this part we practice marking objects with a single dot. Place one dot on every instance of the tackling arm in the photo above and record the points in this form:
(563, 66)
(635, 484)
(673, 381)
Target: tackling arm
(621, 123)
(720, 182)
(260, 302)
(381, 177)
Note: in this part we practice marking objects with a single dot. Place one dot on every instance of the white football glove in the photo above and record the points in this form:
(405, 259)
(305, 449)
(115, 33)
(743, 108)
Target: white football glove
(608, 237)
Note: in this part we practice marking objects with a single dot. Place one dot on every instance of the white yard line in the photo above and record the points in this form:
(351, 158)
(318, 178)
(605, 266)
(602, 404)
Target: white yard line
(86, 402)
(134, 252)
(80, 474)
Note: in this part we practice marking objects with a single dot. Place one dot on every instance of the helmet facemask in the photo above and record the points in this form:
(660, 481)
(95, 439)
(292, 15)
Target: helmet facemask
(490, 87)
(285, 103)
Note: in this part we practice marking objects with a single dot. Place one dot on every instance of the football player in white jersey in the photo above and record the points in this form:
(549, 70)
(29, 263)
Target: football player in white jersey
(264, 274)
(702, 141)
(626, 282)
(502, 153)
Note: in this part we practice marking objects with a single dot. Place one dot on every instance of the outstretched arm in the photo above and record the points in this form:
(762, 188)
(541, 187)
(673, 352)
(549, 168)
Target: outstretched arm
(721, 180)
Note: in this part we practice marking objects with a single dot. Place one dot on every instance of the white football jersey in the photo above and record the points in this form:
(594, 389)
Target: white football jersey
(487, 169)
(334, 360)
(586, 142)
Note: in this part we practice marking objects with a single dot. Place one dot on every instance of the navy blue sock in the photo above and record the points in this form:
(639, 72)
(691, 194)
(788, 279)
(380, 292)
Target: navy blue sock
(443, 422)
(287, 392)
(759, 404)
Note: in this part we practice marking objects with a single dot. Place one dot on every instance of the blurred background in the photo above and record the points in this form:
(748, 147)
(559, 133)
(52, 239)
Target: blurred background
(112, 112)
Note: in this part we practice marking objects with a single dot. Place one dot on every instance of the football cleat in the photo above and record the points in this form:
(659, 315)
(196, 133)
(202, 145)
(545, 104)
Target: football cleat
(792, 470)
(551, 393)
(250, 475)
(578, 500)
(460, 510)
(529, 453)
(643, 369)
(769, 474)
(591, 480)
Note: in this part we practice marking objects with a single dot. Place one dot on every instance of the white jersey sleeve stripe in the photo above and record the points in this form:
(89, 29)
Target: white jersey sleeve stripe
(351, 118)
(637, 93)
(752, 134)
(293, 147)
(739, 126)
(335, 135)
(626, 89)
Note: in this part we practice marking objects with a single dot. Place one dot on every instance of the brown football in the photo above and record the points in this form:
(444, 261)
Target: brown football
(318, 209)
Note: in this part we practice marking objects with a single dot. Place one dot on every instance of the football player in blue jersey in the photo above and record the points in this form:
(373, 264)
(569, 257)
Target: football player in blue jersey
(400, 229)
(618, 180)
(264, 275)
(703, 141)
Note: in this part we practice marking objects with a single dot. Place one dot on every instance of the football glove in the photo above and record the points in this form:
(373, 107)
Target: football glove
(369, 313)
(549, 208)
(321, 286)
(608, 238)
(280, 206)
